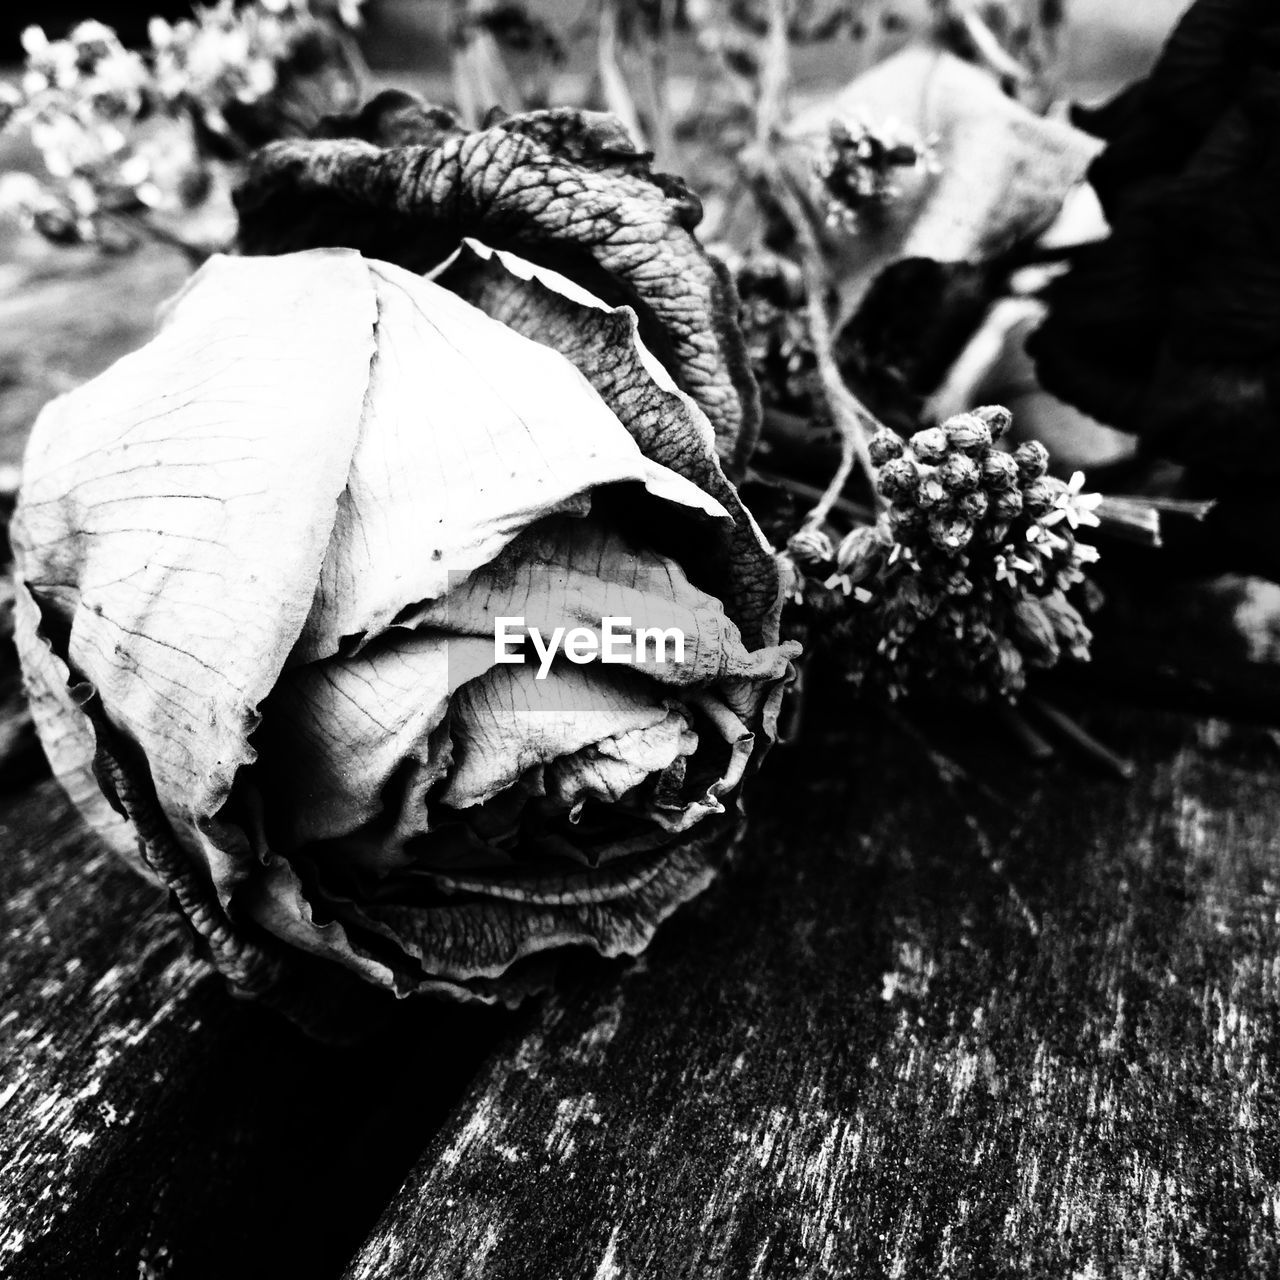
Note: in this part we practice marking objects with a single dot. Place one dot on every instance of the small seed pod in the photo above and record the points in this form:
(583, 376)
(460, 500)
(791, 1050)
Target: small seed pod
(906, 519)
(950, 532)
(1039, 496)
(1032, 459)
(931, 493)
(997, 418)
(999, 471)
(898, 480)
(1007, 505)
(861, 553)
(958, 474)
(973, 506)
(811, 546)
(884, 446)
(967, 431)
(930, 445)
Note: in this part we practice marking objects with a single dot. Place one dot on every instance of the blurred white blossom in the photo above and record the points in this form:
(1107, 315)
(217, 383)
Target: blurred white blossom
(127, 134)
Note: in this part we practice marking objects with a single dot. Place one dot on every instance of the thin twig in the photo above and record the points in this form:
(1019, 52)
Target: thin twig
(1076, 734)
(853, 421)
(775, 73)
(617, 94)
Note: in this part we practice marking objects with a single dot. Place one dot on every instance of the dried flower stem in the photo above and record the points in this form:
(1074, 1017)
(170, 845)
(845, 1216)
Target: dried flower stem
(1036, 747)
(613, 84)
(854, 422)
(1074, 733)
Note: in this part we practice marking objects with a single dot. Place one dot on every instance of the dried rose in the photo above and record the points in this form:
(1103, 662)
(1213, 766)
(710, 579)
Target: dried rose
(260, 567)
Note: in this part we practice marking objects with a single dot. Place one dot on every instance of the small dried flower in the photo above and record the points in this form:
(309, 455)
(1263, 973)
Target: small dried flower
(1007, 504)
(997, 418)
(973, 506)
(1079, 508)
(1034, 627)
(930, 445)
(884, 446)
(999, 471)
(950, 533)
(811, 546)
(931, 493)
(1041, 496)
(862, 552)
(969, 432)
(860, 167)
(899, 479)
(1032, 459)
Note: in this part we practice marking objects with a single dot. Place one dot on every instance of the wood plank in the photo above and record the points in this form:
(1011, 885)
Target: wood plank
(152, 1126)
(911, 1034)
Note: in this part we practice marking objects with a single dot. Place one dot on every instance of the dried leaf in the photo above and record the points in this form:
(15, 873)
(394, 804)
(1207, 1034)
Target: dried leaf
(1001, 178)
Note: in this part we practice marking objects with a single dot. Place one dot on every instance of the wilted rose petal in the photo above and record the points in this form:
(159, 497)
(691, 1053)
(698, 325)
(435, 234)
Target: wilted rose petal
(405, 184)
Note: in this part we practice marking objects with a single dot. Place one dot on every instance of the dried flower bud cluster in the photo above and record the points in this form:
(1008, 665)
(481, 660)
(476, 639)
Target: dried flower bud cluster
(963, 583)
(861, 167)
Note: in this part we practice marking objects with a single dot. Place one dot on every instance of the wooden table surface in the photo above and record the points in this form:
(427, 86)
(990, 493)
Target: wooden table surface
(1013, 1022)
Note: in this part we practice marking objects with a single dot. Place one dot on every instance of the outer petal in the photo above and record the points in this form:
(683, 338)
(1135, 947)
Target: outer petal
(564, 187)
(66, 734)
(612, 910)
(176, 510)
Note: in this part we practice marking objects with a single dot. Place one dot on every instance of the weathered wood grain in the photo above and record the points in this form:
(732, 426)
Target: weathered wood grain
(910, 1035)
(150, 1126)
